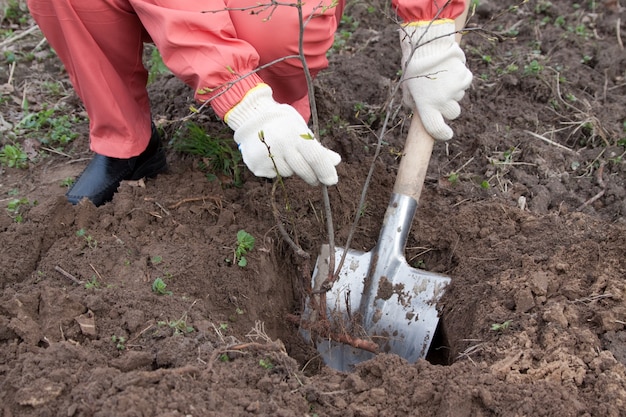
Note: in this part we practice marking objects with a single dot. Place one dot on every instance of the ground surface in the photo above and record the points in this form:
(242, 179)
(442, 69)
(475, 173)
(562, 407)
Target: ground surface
(524, 209)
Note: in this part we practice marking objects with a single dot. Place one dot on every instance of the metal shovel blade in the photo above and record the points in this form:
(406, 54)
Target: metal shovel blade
(394, 302)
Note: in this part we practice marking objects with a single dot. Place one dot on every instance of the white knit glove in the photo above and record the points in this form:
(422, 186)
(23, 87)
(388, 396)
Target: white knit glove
(435, 78)
(291, 143)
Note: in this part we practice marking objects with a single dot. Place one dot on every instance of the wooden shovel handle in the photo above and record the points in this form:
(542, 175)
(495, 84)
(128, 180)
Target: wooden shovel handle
(418, 149)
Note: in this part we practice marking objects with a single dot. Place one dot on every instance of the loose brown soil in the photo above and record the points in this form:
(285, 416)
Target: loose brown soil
(524, 209)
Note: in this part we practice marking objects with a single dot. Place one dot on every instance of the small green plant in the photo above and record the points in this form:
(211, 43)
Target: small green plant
(14, 206)
(68, 182)
(48, 126)
(91, 242)
(542, 7)
(52, 87)
(582, 31)
(533, 68)
(13, 156)
(266, 364)
(347, 27)
(420, 264)
(485, 185)
(224, 357)
(501, 327)
(245, 243)
(93, 283)
(453, 178)
(159, 287)
(504, 158)
(559, 21)
(233, 317)
(223, 326)
(155, 260)
(218, 153)
(15, 11)
(179, 326)
(120, 342)
(156, 66)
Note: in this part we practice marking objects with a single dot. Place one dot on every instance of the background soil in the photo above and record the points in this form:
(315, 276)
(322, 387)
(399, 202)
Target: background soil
(524, 209)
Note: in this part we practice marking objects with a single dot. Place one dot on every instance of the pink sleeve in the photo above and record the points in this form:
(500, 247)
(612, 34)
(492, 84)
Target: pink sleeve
(202, 49)
(417, 10)
(222, 47)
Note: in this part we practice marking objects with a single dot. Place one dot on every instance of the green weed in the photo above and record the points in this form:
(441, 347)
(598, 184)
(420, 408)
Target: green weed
(156, 66)
(501, 327)
(233, 317)
(559, 21)
(120, 342)
(266, 364)
(218, 153)
(347, 27)
(453, 178)
(245, 243)
(179, 326)
(13, 156)
(52, 88)
(15, 11)
(420, 264)
(92, 284)
(533, 68)
(159, 287)
(68, 182)
(48, 127)
(14, 206)
(91, 242)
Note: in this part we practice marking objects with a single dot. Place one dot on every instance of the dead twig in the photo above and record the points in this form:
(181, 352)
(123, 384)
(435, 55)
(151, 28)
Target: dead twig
(550, 142)
(163, 209)
(68, 275)
(592, 298)
(45, 148)
(19, 36)
(618, 25)
(281, 227)
(601, 183)
(470, 350)
(216, 200)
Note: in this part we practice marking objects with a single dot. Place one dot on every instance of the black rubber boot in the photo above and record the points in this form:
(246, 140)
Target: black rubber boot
(100, 180)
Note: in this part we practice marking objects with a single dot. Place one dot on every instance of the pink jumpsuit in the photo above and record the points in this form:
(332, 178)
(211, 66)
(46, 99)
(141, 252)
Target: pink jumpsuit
(208, 44)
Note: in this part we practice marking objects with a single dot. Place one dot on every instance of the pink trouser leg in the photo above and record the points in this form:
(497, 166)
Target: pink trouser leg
(278, 37)
(101, 48)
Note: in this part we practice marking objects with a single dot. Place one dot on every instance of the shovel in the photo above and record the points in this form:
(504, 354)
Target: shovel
(393, 304)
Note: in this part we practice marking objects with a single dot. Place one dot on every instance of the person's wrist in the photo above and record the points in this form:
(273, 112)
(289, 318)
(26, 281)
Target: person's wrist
(427, 37)
(256, 100)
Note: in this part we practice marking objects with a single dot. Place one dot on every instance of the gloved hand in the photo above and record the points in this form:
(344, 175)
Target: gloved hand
(435, 78)
(291, 143)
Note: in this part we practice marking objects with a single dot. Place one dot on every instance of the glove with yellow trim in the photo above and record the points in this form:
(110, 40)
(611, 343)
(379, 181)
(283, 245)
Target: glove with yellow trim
(275, 137)
(435, 76)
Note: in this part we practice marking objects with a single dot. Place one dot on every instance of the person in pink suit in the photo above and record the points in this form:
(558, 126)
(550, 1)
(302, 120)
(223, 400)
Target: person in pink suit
(222, 49)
